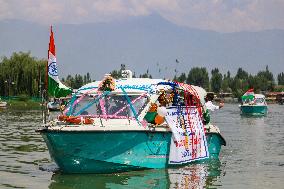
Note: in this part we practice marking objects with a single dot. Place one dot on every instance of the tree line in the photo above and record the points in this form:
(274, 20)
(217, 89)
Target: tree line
(77, 81)
(263, 81)
(22, 74)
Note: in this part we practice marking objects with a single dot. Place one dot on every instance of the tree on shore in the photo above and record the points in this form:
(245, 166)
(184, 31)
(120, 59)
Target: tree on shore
(240, 83)
(146, 75)
(280, 78)
(77, 81)
(181, 78)
(265, 80)
(227, 83)
(216, 80)
(21, 74)
(199, 77)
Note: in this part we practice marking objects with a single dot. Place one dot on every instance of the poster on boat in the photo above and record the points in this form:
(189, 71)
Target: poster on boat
(188, 142)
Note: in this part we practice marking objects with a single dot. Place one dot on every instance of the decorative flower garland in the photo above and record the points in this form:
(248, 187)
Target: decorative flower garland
(108, 84)
(165, 99)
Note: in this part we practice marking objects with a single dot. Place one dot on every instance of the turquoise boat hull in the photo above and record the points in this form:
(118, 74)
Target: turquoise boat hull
(117, 151)
(253, 110)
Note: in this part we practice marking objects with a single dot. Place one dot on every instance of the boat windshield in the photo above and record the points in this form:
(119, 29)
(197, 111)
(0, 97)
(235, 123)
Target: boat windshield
(259, 100)
(253, 102)
(248, 101)
(108, 106)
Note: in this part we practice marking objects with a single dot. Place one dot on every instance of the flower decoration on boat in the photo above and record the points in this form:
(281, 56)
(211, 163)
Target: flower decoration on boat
(108, 84)
(153, 107)
(165, 99)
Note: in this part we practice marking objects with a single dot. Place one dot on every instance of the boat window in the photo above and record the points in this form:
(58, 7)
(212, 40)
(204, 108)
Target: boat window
(85, 106)
(259, 100)
(110, 106)
(248, 101)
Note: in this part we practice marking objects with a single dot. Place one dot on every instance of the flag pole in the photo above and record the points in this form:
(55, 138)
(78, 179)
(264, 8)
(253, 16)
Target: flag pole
(45, 91)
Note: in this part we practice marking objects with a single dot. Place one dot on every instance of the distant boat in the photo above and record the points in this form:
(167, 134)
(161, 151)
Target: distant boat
(3, 104)
(53, 106)
(253, 104)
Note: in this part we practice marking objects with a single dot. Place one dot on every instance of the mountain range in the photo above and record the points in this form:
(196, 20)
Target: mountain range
(144, 43)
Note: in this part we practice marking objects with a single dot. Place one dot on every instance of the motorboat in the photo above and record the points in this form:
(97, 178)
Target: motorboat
(253, 104)
(117, 125)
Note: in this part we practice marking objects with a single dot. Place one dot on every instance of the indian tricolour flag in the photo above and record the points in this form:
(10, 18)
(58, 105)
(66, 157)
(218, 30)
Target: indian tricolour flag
(248, 95)
(55, 87)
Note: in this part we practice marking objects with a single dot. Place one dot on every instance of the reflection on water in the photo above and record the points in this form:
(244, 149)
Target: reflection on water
(195, 176)
(191, 176)
(253, 157)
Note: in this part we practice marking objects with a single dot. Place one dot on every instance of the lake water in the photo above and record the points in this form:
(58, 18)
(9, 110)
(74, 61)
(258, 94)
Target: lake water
(253, 157)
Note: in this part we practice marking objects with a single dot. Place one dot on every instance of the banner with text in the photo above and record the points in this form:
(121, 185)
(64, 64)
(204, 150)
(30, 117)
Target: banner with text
(188, 142)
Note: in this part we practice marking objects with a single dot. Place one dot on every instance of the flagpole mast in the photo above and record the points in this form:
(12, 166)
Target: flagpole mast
(45, 91)
(46, 74)
(44, 95)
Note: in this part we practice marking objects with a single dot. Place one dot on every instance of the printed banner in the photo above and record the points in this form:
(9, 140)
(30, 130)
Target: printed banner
(188, 141)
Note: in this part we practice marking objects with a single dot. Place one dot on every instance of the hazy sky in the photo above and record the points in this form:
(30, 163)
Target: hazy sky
(217, 15)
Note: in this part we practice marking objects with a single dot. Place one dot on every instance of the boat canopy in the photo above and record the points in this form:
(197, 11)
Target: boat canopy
(131, 97)
(133, 85)
(259, 96)
(142, 85)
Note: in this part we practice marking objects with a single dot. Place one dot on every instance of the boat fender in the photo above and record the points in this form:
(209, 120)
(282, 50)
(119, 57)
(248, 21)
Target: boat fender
(62, 117)
(73, 119)
(159, 119)
(88, 121)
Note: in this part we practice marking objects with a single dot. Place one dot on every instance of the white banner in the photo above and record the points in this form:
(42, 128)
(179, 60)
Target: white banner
(188, 141)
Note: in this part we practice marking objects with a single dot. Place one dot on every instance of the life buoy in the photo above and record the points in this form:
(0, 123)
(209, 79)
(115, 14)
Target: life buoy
(62, 117)
(88, 121)
(75, 119)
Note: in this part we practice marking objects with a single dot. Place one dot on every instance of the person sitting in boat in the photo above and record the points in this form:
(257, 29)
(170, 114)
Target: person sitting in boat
(210, 106)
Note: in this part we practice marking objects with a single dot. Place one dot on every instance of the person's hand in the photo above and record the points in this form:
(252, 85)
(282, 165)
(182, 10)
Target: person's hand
(221, 105)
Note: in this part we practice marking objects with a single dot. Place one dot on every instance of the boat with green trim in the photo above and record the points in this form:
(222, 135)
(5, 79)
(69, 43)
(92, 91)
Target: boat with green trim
(110, 126)
(255, 105)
